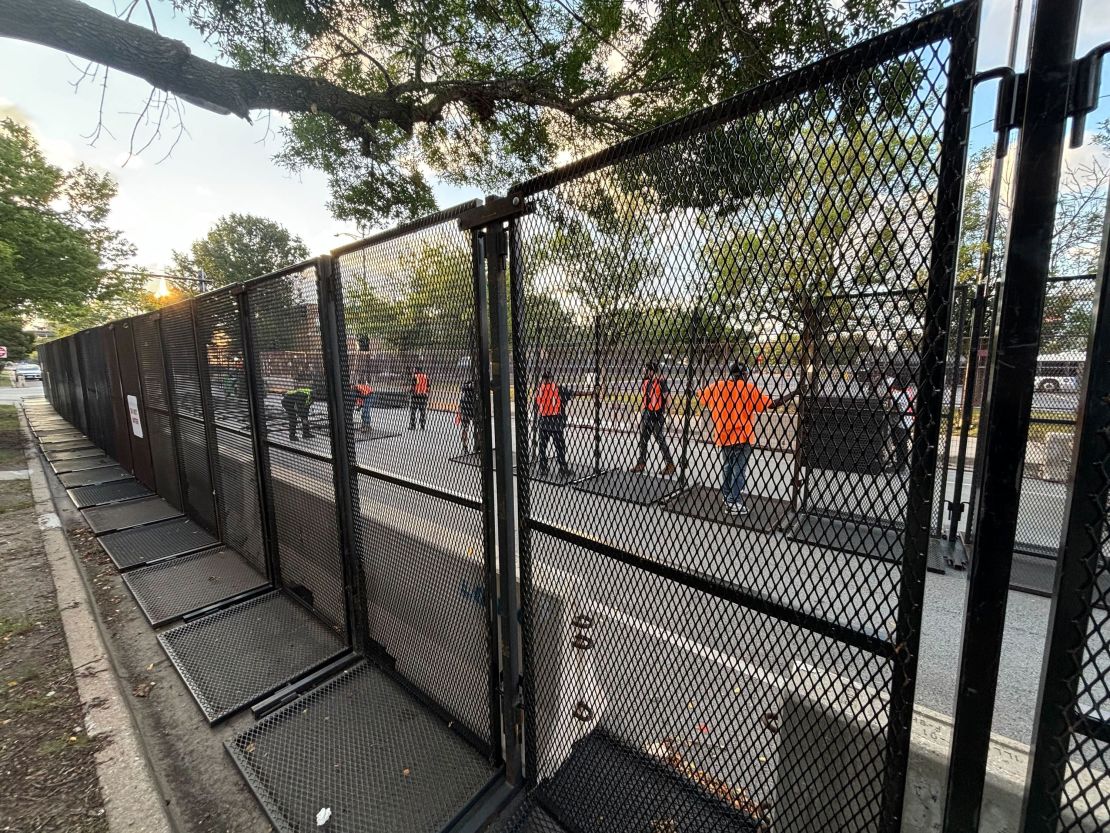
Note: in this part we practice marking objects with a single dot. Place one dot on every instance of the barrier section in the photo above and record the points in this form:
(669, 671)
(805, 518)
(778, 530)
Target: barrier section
(293, 414)
(187, 414)
(736, 325)
(152, 374)
(412, 404)
(138, 433)
(220, 338)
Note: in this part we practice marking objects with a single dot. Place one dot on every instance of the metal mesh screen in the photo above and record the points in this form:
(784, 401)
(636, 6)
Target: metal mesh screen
(240, 515)
(291, 388)
(772, 274)
(152, 371)
(190, 435)
(142, 465)
(412, 407)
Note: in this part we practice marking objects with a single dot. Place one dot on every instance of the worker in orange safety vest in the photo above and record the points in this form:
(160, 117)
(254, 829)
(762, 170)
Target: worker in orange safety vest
(653, 418)
(418, 401)
(364, 401)
(551, 420)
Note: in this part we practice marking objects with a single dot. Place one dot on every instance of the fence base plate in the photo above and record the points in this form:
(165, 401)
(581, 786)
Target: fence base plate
(106, 474)
(643, 489)
(236, 656)
(361, 747)
(155, 542)
(101, 493)
(83, 464)
(765, 514)
(131, 513)
(172, 589)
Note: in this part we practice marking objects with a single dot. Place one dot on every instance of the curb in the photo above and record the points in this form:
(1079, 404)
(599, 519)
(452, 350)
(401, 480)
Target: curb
(132, 801)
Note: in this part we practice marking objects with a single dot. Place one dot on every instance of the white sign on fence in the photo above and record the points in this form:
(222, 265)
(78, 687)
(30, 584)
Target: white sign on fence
(136, 420)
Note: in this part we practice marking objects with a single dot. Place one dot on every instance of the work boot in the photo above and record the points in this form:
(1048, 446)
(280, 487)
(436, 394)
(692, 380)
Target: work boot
(637, 469)
(668, 469)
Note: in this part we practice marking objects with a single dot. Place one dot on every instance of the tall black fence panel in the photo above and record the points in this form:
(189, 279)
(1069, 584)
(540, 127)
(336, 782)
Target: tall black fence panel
(152, 372)
(414, 407)
(142, 465)
(290, 385)
(220, 339)
(188, 414)
(121, 421)
(725, 629)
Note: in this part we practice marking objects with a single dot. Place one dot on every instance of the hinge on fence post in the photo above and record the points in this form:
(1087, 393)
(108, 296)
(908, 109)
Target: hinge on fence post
(493, 209)
(1083, 93)
(1009, 112)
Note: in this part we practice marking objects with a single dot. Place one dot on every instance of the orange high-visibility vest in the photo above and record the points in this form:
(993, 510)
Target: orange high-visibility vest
(652, 391)
(548, 400)
(362, 392)
(420, 384)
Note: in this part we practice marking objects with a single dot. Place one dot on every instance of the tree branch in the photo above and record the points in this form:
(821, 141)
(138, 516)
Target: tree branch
(169, 65)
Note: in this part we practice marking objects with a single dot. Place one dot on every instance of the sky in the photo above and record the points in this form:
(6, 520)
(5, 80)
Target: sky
(225, 165)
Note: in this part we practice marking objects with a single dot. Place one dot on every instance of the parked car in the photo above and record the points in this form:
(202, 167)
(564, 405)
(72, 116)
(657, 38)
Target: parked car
(1060, 372)
(29, 371)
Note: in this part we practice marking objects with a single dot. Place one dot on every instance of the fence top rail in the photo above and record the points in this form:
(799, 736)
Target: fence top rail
(283, 272)
(435, 219)
(910, 36)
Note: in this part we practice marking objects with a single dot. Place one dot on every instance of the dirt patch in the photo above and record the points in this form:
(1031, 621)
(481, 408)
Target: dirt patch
(47, 764)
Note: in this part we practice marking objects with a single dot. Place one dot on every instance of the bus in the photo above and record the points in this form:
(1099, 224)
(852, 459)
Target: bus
(1059, 372)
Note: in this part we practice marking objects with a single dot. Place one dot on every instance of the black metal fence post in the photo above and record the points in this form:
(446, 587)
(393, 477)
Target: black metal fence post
(1076, 577)
(928, 407)
(496, 254)
(333, 336)
(597, 393)
(208, 411)
(693, 357)
(955, 349)
(1005, 425)
(256, 404)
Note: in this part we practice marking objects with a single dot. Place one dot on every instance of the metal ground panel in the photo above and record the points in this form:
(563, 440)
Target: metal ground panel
(630, 487)
(764, 514)
(156, 542)
(236, 656)
(101, 493)
(69, 445)
(361, 746)
(83, 464)
(528, 818)
(79, 454)
(129, 514)
(87, 478)
(171, 589)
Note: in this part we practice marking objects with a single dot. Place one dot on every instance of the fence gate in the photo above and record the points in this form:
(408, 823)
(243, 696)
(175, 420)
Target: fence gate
(742, 655)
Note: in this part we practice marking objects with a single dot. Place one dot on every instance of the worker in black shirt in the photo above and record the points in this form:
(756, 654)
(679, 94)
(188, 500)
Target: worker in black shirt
(551, 421)
(654, 394)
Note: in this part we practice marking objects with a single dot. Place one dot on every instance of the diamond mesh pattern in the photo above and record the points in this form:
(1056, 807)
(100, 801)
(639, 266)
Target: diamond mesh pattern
(361, 746)
(237, 656)
(169, 590)
(146, 544)
(239, 506)
(750, 306)
(86, 496)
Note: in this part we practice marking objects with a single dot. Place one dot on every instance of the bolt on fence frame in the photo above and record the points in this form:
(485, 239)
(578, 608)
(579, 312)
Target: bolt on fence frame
(1072, 599)
(1009, 400)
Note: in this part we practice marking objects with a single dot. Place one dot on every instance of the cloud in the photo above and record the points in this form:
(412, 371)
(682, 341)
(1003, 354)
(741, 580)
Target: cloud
(129, 161)
(11, 110)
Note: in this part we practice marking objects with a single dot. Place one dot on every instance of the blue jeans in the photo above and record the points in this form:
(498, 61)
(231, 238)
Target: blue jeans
(367, 403)
(734, 460)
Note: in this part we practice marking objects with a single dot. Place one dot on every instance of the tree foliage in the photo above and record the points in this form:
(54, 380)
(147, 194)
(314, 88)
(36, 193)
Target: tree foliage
(19, 343)
(240, 247)
(56, 249)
